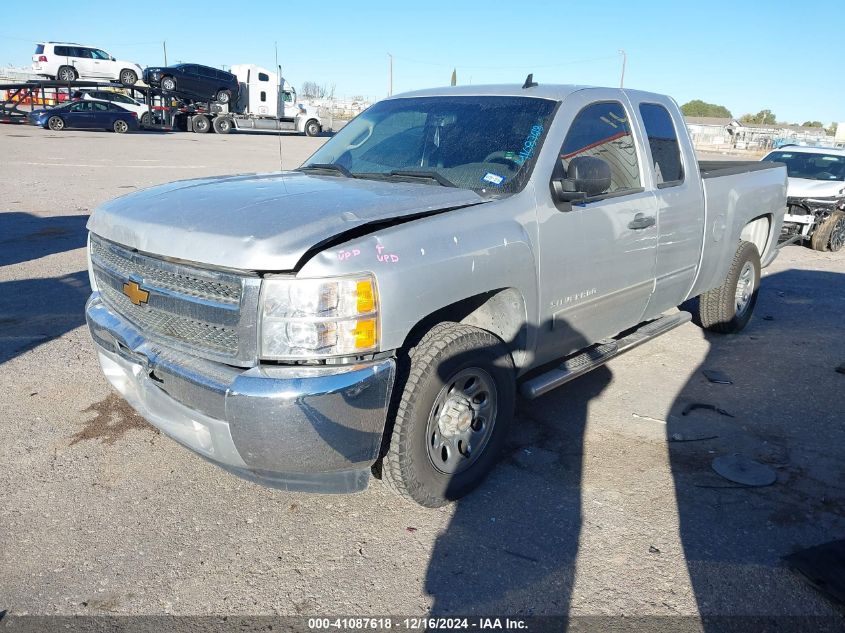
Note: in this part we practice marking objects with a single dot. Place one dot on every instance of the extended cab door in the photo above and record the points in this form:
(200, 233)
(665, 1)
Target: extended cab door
(596, 255)
(677, 188)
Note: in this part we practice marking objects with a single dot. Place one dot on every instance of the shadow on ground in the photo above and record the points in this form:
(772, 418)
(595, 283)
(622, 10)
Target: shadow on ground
(511, 547)
(25, 236)
(35, 311)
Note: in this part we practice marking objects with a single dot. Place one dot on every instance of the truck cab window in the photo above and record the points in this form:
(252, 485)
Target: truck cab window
(602, 130)
(663, 141)
(263, 77)
(288, 97)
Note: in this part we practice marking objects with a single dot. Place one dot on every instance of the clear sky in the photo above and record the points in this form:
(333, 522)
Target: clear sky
(781, 55)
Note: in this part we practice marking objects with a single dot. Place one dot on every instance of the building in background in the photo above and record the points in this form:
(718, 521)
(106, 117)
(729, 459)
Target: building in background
(715, 134)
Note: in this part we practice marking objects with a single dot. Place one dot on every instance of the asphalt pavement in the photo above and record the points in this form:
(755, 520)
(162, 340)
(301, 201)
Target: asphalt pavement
(604, 504)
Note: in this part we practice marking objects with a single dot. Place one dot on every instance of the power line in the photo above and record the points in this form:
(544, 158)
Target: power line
(521, 66)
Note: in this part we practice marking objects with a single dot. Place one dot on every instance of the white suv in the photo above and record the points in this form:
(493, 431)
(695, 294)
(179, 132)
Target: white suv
(65, 61)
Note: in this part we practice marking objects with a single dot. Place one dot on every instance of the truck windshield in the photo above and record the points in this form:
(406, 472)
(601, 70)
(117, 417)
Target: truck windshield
(811, 166)
(488, 144)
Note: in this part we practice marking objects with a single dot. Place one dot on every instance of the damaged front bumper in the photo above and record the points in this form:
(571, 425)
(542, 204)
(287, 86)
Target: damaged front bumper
(803, 214)
(315, 428)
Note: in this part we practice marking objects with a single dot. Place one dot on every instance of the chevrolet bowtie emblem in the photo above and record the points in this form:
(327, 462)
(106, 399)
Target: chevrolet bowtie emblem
(136, 294)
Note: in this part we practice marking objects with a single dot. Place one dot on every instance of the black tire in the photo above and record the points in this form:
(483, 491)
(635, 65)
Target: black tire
(222, 124)
(725, 310)
(128, 77)
(312, 127)
(146, 120)
(830, 234)
(66, 73)
(200, 123)
(446, 353)
(168, 83)
(55, 123)
(120, 126)
(223, 96)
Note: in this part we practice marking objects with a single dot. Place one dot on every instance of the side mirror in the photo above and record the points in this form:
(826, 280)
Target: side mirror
(586, 176)
(113, 59)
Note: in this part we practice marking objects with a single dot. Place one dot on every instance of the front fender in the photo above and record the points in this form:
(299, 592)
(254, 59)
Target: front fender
(427, 264)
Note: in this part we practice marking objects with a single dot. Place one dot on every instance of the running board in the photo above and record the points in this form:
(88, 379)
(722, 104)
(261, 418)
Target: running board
(598, 354)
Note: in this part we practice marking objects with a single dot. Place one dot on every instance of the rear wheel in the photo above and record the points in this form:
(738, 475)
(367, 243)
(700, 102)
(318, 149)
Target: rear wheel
(223, 96)
(168, 83)
(452, 416)
(312, 128)
(128, 77)
(67, 73)
(201, 124)
(728, 308)
(120, 126)
(56, 123)
(222, 124)
(830, 234)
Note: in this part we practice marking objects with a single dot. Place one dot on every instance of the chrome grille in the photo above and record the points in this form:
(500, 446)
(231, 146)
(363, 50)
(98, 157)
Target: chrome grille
(205, 312)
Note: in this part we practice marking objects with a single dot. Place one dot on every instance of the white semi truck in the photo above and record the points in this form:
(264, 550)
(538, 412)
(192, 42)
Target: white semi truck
(265, 102)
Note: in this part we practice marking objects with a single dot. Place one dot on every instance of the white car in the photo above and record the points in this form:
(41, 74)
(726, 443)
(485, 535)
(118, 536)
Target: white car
(124, 101)
(815, 195)
(65, 61)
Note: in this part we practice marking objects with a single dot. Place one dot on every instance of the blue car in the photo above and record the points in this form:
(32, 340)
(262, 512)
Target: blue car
(86, 115)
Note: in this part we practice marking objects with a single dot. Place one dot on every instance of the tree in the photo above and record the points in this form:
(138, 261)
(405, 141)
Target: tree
(832, 129)
(313, 90)
(812, 124)
(697, 107)
(766, 117)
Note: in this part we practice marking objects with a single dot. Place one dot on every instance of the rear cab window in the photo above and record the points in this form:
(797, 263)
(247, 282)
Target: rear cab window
(39, 49)
(663, 144)
(603, 130)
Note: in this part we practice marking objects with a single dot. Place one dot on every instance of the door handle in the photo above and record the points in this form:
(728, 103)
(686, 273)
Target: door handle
(640, 221)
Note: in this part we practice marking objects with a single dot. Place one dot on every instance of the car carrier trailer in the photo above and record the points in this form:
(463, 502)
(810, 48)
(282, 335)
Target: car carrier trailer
(266, 102)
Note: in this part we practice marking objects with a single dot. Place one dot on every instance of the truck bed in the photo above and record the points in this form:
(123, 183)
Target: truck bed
(717, 168)
(735, 193)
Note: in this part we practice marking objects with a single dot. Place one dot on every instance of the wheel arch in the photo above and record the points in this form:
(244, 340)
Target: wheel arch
(502, 312)
(759, 232)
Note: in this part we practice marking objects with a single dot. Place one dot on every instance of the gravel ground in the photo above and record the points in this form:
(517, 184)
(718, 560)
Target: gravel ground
(605, 503)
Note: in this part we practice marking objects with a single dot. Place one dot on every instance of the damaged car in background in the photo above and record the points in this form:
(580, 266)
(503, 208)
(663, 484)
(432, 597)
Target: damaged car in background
(815, 195)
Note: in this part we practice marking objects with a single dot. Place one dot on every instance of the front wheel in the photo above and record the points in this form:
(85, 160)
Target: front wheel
(452, 416)
(56, 123)
(830, 234)
(128, 77)
(120, 126)
(728, 308)
(312, 128)
(223, 96)
(168, 84)
(222, 124)
(146, 120)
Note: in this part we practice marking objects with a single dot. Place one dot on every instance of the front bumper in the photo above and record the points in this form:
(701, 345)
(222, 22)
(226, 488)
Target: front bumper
(305, 428)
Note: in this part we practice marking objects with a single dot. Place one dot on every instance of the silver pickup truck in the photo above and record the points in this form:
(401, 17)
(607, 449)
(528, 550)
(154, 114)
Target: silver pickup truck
(379, 309)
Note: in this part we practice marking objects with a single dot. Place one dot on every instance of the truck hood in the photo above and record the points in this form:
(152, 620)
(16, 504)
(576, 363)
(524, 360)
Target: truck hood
(804, 188)
(264, 222)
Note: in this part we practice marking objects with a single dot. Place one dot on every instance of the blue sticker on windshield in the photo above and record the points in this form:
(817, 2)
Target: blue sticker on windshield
(493, 179)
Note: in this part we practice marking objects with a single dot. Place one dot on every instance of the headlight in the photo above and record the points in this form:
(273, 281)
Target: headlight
(318, 318)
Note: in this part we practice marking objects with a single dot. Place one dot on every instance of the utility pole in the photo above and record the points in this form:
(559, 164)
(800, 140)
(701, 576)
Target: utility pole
(622, 78)
(164, 46)
(390, 76)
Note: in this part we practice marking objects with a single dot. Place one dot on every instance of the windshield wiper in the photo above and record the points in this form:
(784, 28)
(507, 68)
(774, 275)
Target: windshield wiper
(340, 169)
(422, 173)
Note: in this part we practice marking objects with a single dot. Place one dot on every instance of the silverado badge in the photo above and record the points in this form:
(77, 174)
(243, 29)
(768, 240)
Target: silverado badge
(136, 294)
